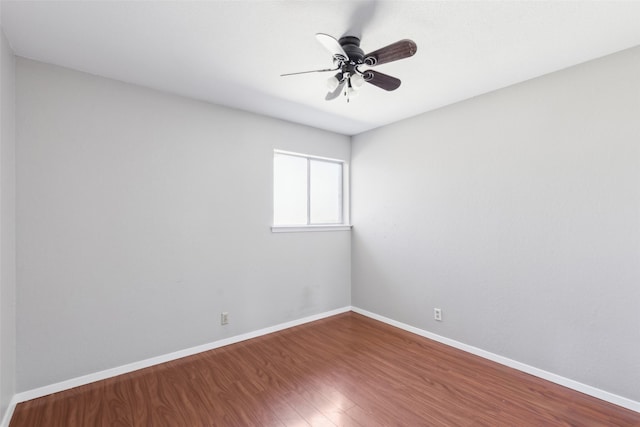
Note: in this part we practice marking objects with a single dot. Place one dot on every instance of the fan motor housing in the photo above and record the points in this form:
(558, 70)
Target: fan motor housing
(351, 46)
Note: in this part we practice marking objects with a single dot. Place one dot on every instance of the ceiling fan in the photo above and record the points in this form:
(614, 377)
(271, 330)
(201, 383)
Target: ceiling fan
(349, 60)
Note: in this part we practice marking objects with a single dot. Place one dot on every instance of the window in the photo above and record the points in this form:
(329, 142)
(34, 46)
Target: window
(308, 192)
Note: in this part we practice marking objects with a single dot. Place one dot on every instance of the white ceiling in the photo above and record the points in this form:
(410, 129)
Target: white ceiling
(232, 52)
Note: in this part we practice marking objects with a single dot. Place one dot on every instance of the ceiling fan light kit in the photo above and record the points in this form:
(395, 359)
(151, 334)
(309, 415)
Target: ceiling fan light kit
(333, 82)
(357, 80)
(348, 60)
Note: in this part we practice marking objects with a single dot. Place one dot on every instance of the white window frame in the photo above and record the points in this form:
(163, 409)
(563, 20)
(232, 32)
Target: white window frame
(345, 214)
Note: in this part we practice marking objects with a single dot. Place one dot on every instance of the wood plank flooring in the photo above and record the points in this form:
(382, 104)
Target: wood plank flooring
(346, 370)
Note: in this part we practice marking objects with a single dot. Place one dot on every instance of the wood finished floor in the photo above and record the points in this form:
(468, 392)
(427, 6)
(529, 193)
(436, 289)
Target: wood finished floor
(346, 370)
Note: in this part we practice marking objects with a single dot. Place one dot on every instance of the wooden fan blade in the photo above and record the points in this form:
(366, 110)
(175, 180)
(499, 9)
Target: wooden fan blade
(336, 93)
(332, 45)
(383, 81)
(398, 50)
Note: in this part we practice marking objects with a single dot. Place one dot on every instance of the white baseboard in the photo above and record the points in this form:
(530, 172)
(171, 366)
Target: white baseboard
(554, 378)
(9, 412)
(109, 373)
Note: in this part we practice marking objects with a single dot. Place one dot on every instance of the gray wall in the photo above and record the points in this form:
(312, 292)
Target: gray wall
(518, 214)
(142, 216)
(7, 226)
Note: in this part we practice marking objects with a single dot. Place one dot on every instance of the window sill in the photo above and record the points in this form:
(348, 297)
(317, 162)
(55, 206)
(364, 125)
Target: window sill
(306, 228)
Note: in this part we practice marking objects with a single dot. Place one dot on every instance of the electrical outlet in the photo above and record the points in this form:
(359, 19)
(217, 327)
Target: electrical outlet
(224, 318)
(437, 314)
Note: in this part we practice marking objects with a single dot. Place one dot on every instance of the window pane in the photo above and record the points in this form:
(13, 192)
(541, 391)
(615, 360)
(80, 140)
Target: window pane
(326, 192)
(289, 190)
